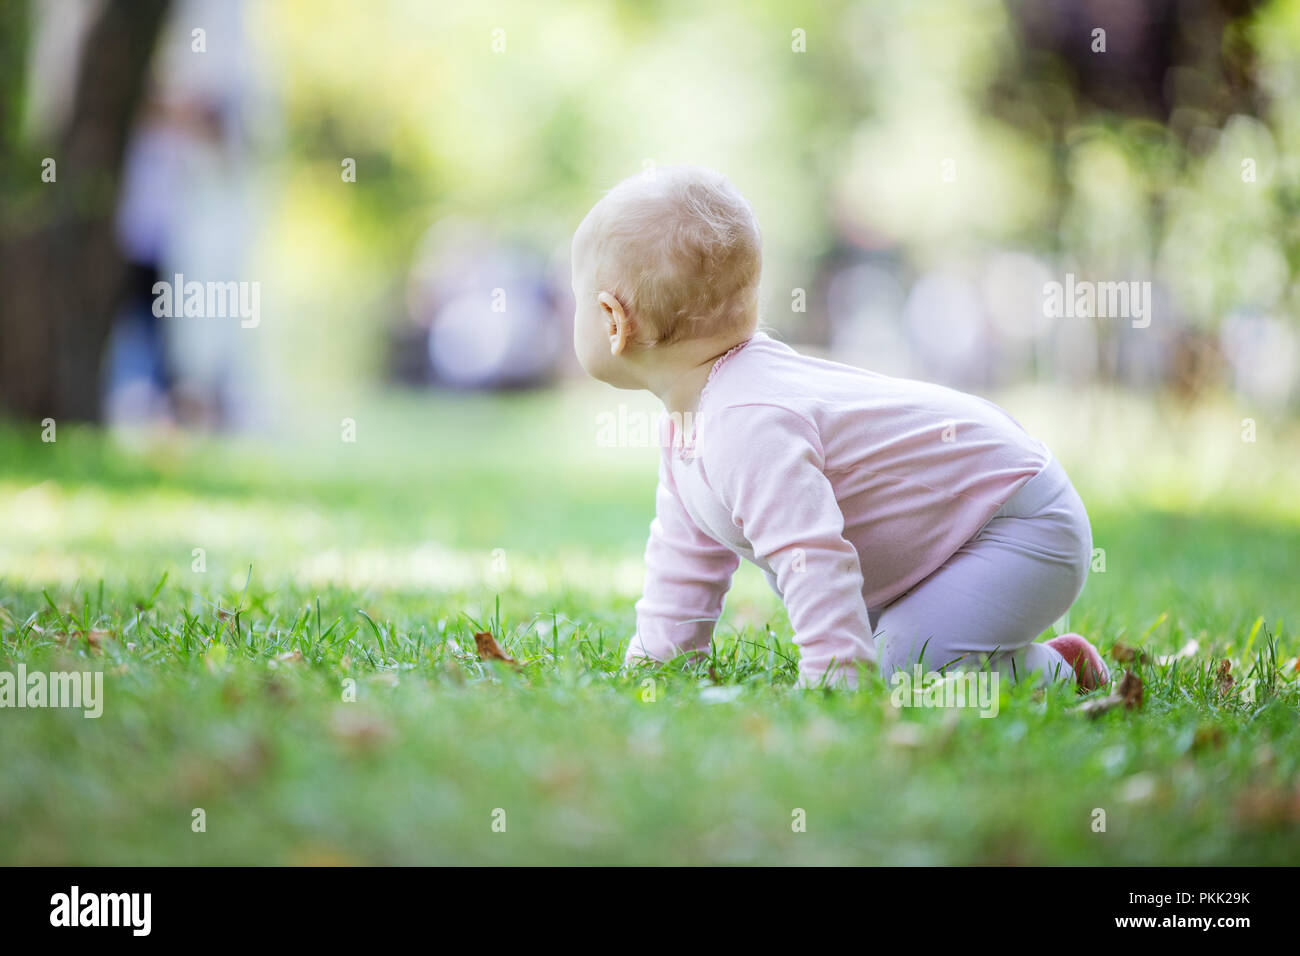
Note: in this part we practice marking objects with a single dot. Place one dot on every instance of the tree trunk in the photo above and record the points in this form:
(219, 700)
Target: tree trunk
(62, 271)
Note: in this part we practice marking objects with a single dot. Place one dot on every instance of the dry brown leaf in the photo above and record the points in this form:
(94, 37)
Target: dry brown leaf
(1131, 690)
(1125, 654)
(1128, 694)
(490, 650)
(1223, 679)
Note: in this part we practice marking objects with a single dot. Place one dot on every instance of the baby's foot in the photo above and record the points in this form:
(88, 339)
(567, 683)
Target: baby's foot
(1085, 660)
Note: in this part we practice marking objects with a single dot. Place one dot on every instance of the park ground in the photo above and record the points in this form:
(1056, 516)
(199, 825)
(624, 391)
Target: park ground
(286, 624)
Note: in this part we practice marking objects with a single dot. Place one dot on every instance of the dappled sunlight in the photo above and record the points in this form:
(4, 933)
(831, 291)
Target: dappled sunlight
(1123, 451)
(433, 515)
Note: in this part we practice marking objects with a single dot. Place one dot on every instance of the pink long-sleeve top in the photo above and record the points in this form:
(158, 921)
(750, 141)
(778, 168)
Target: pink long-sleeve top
(846, 487)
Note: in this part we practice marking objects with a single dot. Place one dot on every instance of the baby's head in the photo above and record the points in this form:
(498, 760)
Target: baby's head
(668, 258)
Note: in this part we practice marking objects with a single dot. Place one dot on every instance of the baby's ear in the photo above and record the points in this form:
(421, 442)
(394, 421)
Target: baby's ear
(617, 324)
(610, 305)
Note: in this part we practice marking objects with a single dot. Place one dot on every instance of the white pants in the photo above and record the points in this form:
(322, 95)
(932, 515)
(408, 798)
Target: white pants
(1000, 591)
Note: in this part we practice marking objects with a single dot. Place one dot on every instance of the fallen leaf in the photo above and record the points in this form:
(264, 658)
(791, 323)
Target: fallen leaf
(1125, 654)
(490, 650)
(1128, 694)
(1223, 679)
(1131, 690)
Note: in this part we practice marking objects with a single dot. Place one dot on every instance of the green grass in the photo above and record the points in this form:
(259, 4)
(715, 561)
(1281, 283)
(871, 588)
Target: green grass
(373, 563)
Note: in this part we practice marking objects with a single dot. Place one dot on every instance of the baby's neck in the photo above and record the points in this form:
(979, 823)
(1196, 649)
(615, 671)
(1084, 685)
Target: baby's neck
(679, 377)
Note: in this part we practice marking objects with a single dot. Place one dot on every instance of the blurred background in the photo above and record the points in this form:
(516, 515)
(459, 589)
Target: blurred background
(384, 195)
(400, 180)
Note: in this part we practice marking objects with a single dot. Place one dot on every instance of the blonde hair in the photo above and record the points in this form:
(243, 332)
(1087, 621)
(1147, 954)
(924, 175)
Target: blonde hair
(687, 251)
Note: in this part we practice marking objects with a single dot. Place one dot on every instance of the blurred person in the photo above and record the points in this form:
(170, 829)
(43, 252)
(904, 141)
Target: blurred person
(139, 377)
(900, 522)
(185, 209)
(488, 310)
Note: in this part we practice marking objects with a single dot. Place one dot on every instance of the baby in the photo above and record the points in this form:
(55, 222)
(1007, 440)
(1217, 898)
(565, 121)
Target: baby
(902, 523)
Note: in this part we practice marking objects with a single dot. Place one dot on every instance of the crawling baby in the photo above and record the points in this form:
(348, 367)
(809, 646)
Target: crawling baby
(902, 523)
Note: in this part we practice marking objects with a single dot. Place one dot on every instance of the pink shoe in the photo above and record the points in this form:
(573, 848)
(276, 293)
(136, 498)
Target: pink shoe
(1083, 657)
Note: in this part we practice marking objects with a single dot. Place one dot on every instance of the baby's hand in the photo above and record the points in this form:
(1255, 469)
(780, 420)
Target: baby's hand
(637, 655)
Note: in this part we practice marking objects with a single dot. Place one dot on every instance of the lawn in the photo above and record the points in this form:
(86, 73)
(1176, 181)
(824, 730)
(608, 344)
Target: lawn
(285, 627)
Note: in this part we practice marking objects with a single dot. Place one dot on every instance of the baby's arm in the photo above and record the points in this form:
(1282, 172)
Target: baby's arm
(766, 465)
(687, 577)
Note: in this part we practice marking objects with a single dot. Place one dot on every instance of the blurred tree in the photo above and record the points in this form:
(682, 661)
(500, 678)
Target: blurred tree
(57, 252)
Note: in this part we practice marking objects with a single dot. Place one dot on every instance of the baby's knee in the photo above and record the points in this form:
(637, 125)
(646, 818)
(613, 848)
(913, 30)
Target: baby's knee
(903, 650)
